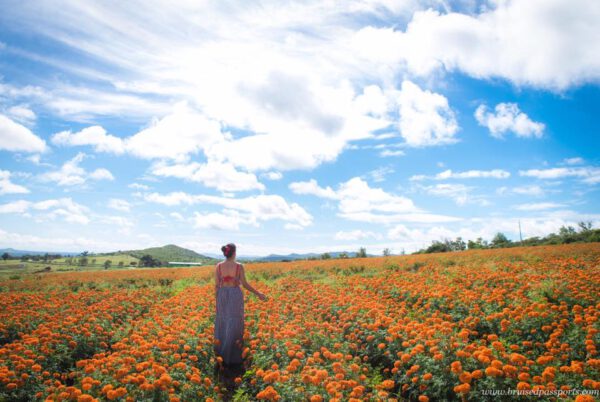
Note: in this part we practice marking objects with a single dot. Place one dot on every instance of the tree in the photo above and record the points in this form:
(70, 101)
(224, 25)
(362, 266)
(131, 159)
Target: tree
(107, 264)
(362, 253)
(325, 256)
(83, 261)
(148, 261)
(5, 256)
(387, 252)
(343, 255)
(585, 226)
(477, 244)
(93, 261)
(567, 234)
(121, 264)
(458, 244)
(500, 240)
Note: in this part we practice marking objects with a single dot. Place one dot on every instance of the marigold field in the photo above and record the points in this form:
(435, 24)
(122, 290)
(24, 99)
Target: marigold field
(419, 327)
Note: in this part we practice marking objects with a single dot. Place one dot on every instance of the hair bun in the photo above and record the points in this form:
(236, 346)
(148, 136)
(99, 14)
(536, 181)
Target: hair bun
(223, 249)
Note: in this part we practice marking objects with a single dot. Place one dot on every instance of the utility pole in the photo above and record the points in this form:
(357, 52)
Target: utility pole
(520, 234)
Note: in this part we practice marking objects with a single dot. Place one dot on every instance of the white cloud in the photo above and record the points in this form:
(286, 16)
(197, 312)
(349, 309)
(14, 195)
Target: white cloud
(76, 243)
(458, 192)
(469, 174)
(121, 223)
(522, 190)
(175, 136)
(425, 117)
(177, 216)
(22, 113)
(378, 175)
(502, 40)
(8, 187)
(273, 175)
(101, 174)
(508, 117)
(95, 136)
(138, 186)
(573, 161)
(119, 205)
(66, 208)
(16, 137)
(71, 174)
(222, 176)
(249, 210)
(588, 174)
(354, 235)
(359, 202)
(311, 187)
(539, 206)
(387, 152)
(230, 220)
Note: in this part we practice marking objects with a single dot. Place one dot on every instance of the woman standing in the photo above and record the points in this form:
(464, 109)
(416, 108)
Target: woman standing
(229, 321)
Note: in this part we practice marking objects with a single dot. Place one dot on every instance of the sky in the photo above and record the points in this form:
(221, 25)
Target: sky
(296, 126)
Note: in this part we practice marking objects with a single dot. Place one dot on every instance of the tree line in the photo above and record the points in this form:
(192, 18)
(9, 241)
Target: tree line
(566, 234)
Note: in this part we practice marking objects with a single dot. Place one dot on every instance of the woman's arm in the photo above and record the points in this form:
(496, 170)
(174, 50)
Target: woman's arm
(216, 280)
(245, 283)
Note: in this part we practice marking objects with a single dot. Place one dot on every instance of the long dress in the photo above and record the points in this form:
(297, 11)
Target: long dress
(229, 320)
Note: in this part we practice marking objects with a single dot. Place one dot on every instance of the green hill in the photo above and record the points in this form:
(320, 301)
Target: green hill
(167, 253)
(170, 252)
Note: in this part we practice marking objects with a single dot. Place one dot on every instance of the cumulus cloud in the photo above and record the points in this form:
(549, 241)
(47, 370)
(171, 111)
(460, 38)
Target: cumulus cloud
(71, 174)
(16, 137)
(311, 187)
(507, 117)
(8, 187)
(502, 41)
(246, 210)
(95, 136)
(183, 132)
(357, 201)
(273, 175)
(219, 175)
(64, 208)
(425, 117)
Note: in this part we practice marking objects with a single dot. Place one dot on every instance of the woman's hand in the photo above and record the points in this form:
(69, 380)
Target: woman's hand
(261, 296)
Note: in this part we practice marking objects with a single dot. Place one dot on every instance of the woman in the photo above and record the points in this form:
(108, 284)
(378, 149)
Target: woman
(229, 321)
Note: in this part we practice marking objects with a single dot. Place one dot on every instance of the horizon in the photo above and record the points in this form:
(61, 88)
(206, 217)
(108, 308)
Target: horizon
(298, 128)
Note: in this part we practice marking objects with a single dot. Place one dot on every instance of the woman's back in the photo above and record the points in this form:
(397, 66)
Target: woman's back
(229, 272)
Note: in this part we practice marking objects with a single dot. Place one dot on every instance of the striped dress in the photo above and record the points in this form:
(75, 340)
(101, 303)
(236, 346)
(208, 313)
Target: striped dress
(229, 320)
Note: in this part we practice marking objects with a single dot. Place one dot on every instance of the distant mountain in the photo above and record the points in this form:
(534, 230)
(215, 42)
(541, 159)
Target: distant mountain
(167, 253)
(19, 253)
(295, 256)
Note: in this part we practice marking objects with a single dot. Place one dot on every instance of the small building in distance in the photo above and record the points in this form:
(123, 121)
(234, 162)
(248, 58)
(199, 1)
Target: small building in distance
(184, 264)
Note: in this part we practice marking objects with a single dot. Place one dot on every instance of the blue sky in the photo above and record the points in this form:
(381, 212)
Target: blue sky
(296, 127)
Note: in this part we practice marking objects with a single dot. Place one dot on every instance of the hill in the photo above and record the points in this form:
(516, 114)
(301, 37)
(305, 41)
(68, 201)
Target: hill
(18, 253)
(167, 253)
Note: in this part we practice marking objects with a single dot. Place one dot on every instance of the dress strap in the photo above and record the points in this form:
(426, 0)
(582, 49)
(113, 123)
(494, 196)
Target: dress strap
(219, 278)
